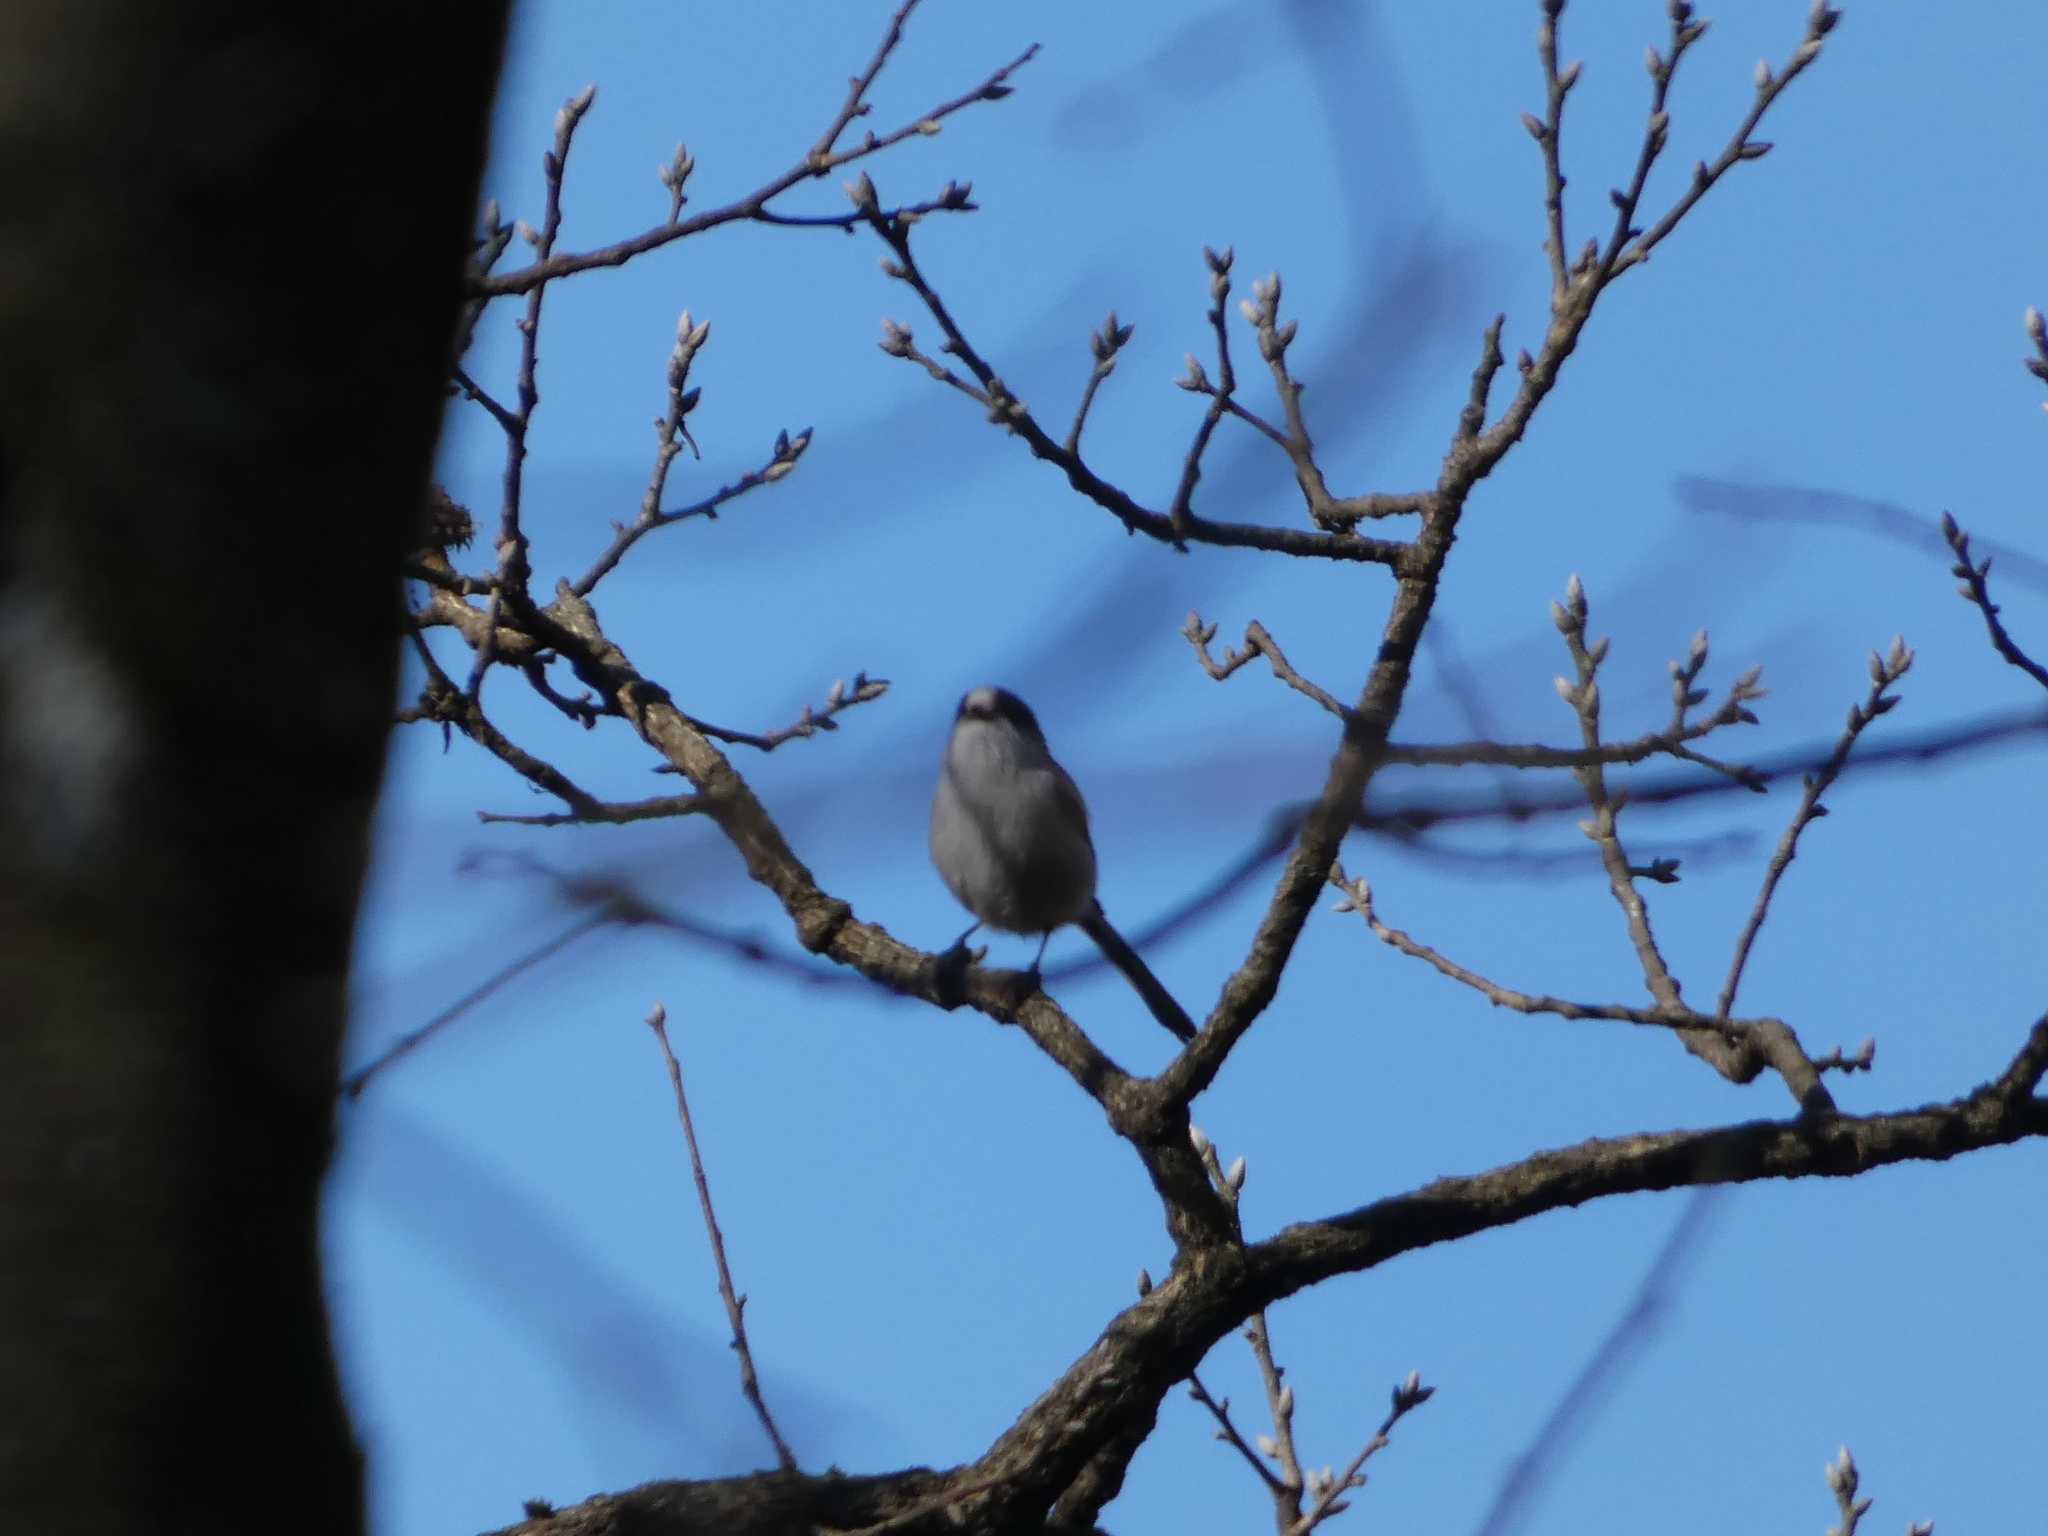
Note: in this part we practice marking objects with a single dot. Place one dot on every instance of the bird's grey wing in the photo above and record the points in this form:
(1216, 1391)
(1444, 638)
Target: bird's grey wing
(1069, 796)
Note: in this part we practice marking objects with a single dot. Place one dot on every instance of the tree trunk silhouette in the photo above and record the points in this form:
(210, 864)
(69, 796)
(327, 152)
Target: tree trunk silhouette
(229, 272)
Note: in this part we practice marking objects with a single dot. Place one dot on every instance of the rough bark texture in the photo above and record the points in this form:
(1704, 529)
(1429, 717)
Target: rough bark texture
(229, 269)
(772, 1504)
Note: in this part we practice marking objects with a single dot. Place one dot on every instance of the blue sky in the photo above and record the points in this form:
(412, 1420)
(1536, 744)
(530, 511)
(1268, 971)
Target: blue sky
(930, 1221)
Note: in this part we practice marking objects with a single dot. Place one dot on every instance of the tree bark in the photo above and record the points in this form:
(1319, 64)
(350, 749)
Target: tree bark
(230, 265)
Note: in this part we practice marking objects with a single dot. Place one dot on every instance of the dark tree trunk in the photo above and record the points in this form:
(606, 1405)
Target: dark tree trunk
(231, 239)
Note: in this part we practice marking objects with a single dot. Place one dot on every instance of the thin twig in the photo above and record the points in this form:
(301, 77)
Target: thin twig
(1556, 87)
(989, 391)
(1330, 1488)
(844, 695)
(1280, 1405)
(1625, 1338)
(1769, 1039)
(735, 1304)
(1227, 1432)
(445, 704)
(353, 1085)
(1773, 507)
(954, 199)
(1291, 1481)
(1262, 310)
(603, 813)
(1584, 699)
(1257, 642)
(514, 568)
(1978, 734)
(1885, 671)
(820, 160)
(1357, 897)
(1219, 395)
(474, 391)
(585, 710)
(1843, 1481)
(1103, 345)
(1976, 589)
(781, 460)
(1768, 1042)
(1685, 31)
(1770, 86)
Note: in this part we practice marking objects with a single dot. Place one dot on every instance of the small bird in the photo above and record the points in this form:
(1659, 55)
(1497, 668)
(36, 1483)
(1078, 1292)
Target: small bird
(1010, 838)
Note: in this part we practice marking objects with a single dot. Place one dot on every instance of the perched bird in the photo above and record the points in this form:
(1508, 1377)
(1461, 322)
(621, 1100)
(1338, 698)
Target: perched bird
(1010, 838)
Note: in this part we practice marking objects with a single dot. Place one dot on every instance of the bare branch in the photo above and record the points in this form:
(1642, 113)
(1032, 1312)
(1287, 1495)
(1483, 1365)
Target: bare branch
(445, 704)
(1769, 87)
(1885, 672)
(781, 460)
(355, 1082)
(1973, 735)
(1153, 1344)
(1584, 700)
(1775, 506)
(954, 198)
(1104, 344)
(1007, 411)
(1669, 742)
(1843, 1481)
(1219, 396)
(1546, 134)
(604, 812)
(1626, 1337)
(1768, 1041)
(1262, 310)
(1976, 589)
(1329, 1488)
(1685, 31)
(843, 696)
(1357, 897)
(514, 570)
(822, 158)
(735, 1304)
(471, 390)
(1227, 1432)
(1256, 643)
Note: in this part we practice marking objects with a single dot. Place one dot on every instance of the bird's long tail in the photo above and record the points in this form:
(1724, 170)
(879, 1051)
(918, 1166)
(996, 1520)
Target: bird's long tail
(1168, 1012)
